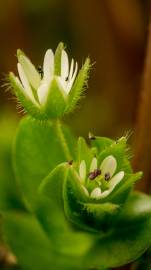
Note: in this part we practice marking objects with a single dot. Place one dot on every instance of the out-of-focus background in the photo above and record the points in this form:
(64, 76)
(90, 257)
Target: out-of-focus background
(114, 35)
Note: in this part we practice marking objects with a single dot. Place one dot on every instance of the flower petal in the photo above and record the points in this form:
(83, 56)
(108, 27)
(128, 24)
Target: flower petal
(104, 194)
(29, 69)
(43, 92)
(116, 179)
(27, 89)
(64, 65)
(71, 81)
(62, 84)
(82, 171)
(48, 65)
(108, 165)
(71, 69)
(95, 194)
(93, 165)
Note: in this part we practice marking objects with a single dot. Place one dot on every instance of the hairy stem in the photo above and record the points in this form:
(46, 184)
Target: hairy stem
(63, 140)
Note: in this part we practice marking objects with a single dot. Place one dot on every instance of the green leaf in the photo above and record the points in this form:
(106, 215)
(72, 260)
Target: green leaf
(129, 239)
(60, 231)
(78, 88)
(10, 197)
(136, 209)
(31, 246)
(39, 147)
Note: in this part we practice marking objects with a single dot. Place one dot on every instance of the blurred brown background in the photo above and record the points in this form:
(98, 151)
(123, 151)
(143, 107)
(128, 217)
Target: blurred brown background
(112, 32)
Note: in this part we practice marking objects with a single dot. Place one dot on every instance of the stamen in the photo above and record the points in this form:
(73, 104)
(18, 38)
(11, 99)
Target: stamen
(66, 79)
(107, 176)
(93, 175)
(40, 70)
(70, 162)
(91, 136)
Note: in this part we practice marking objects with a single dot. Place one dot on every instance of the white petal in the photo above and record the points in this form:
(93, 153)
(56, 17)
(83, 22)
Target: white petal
(71, 81)
(30, 71)
(82, 171)
(116, 179)
(71, 69)
(104, 194)
(62, 83)
(95, 194)
(108, 165)
(64, 65)
(85, 190)
(75, 72)
(43, 92)
(27, 89)
(93, 165)
(48, 66)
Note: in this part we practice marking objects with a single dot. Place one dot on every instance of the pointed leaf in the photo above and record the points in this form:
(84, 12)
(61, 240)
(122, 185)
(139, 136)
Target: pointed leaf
(52, 218)
(39, 147)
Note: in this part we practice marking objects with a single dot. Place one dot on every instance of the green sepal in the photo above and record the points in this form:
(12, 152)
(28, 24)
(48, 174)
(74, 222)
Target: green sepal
(123, 189)
(80, 209)
(119, 151)
(53, 220)
(78, 88)
(56, 101)
(52, 185)
(84, 152)
(100, 143)
(22, 99)
(57, 62)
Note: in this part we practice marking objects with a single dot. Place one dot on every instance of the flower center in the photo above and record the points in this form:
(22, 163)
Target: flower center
(94, 174)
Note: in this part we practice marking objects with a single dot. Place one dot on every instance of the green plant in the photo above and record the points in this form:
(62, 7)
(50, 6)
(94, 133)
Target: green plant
(80, 208)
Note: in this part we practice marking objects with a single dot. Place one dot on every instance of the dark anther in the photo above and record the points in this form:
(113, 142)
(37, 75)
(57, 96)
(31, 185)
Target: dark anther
(107, 176)
(93, 175)
(39, 68)
(66, 79)
(91, 136)
(70, 162)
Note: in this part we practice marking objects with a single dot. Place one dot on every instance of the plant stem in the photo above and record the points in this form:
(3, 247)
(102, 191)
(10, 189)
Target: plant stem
(142, 140)
(63, 140)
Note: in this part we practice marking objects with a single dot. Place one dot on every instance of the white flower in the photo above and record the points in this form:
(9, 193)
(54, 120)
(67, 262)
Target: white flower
(35, 86)
(105, 173)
